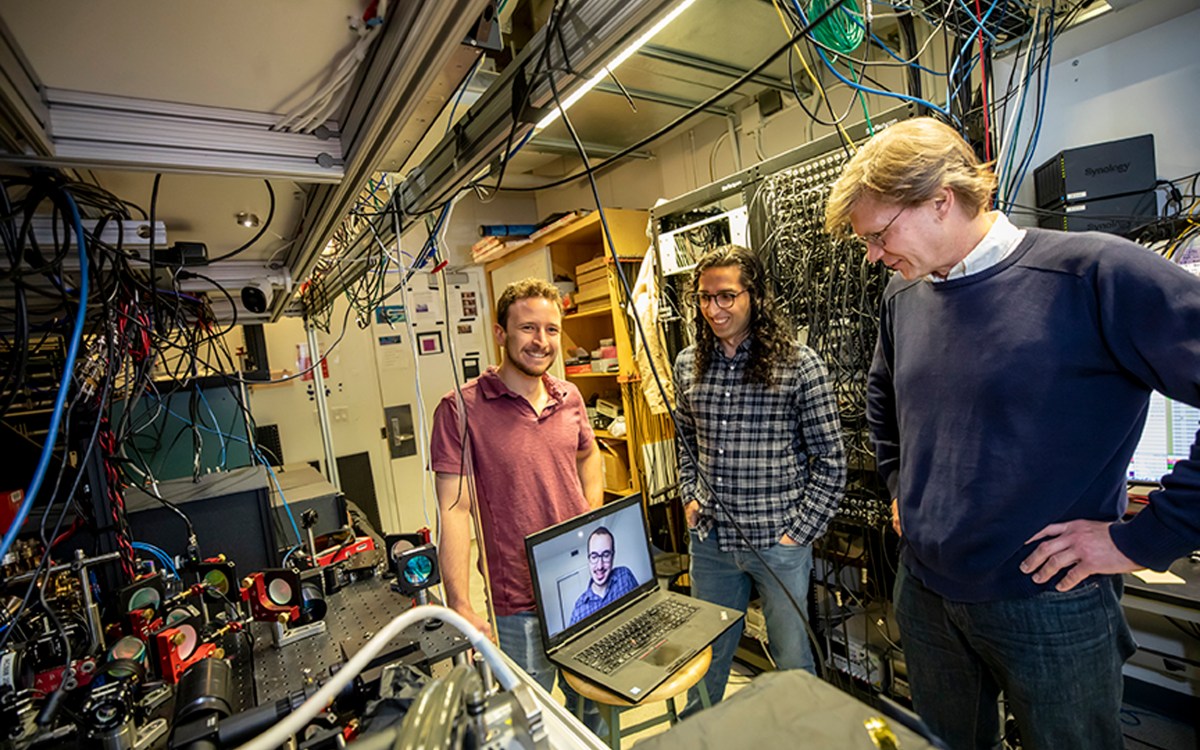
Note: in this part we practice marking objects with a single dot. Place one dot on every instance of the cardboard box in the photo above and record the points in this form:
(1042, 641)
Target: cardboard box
(605, 365)
(608, 408)
(590, 292)
(616, 473)
(591, 277)
(603, 303)
(591, 265)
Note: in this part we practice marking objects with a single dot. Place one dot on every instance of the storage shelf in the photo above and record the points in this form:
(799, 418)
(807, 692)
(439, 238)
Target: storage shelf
(620, 493)
(589, 314)
(571, 375)
(608, 435)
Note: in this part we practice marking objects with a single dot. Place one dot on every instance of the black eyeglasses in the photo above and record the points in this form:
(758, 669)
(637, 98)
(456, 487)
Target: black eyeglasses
(724, 300)
(876, 238)
(596, 557)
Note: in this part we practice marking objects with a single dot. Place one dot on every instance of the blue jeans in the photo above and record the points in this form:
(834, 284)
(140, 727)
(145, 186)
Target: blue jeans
(724, 578)
(1056, 657)
(521, 638)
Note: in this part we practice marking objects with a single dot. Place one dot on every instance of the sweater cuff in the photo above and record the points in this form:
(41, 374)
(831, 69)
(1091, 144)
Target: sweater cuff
(1147, 541)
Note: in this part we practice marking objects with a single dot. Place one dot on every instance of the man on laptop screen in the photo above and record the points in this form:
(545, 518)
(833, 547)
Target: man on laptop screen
(612, 624)
(608, 584)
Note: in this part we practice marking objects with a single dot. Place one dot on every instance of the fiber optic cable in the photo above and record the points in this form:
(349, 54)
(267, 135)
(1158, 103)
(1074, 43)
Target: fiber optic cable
(64, 386)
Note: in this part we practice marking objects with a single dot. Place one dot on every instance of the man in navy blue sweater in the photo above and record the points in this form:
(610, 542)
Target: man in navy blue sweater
(1008, 391)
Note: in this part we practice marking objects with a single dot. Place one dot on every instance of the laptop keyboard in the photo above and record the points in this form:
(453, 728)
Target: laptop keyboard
(629, 640)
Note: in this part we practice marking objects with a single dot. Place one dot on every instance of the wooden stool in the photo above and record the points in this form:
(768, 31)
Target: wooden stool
(610, 704)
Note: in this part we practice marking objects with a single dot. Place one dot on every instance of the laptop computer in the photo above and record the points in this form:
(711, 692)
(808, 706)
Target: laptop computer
(600, 608)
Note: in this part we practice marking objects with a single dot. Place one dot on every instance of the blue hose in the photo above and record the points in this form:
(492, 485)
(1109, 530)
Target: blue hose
(39, 474)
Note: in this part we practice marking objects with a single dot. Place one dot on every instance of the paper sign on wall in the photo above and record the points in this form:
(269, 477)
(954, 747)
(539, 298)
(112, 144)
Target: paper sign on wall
(389, 314)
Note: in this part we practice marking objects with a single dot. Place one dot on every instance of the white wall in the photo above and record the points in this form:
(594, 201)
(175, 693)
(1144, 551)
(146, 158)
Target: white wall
(462, 231)
(422, 379)
(634, 184)
(1148, 82)
(355, 415)
(366, 375)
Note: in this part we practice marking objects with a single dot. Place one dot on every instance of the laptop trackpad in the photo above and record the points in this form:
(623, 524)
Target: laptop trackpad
(668, 655)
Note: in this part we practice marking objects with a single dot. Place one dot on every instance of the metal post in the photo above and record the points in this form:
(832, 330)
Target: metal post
(247, 418)
(90, 610)
(312, 542)
(331, 471)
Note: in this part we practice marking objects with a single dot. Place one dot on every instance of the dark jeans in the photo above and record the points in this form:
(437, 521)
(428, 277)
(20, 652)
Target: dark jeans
(1056, 657)
(724, 578)
(520, 637)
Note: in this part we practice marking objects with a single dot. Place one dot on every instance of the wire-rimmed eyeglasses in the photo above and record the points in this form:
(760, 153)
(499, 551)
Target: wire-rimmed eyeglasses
(876, 238)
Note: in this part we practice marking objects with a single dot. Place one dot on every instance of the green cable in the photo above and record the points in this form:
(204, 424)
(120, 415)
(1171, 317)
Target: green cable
(863, 101)
(841, 31)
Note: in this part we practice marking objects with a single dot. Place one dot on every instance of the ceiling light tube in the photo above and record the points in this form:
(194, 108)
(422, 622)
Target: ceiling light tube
(612, 65)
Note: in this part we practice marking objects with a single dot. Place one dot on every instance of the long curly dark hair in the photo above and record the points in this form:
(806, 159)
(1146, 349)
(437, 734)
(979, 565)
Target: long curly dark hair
(770, 342)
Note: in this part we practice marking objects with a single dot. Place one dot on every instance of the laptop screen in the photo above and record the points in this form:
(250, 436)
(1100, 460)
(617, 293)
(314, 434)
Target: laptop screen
(588, 566)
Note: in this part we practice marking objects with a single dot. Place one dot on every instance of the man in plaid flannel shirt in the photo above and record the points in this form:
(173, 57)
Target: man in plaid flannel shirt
(761, 451)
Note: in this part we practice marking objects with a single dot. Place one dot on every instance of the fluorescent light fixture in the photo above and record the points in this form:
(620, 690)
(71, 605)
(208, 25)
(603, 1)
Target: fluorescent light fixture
(1098, 9)
(625, 54)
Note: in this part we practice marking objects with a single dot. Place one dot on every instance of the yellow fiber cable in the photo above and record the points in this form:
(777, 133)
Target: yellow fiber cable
(816, 81)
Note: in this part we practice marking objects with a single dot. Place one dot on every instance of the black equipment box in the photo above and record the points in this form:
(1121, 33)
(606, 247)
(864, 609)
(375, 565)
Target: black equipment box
(231, 511)
(1101, 170)
(1119, 215)
(305, 488)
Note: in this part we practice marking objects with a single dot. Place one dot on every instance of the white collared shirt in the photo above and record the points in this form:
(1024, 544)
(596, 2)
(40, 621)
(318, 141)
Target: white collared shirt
(996, 245)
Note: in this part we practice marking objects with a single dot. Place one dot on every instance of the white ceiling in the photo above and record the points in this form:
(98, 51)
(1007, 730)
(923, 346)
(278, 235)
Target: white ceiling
(262, 58)
(261, 55)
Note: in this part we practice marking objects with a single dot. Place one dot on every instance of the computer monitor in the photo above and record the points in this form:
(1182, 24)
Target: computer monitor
(1167, 437)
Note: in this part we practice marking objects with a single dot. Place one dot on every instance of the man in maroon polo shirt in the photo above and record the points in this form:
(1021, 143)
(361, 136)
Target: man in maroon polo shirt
(524, 438)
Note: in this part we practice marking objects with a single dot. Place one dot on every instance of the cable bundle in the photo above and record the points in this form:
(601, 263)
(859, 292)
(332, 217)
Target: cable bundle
(842, 31)
(829, 291)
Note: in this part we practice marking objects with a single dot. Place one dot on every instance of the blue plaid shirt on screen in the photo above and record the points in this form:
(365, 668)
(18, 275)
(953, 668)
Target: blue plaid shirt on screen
(620, 582)
(772, 455)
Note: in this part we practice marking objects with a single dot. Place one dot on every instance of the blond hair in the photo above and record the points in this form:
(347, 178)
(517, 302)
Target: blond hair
(524, 289)
(909, 163)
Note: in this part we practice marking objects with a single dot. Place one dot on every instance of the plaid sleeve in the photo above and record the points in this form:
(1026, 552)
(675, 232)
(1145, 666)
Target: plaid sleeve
(686, 423)
(821, 434)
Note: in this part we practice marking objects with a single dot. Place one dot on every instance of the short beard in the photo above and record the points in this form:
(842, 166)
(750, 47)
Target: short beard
(525, 370)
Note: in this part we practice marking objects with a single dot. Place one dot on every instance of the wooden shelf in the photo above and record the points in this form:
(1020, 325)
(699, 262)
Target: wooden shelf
(619, 493)
(571, 375)
(605, 434)
(589, 314)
